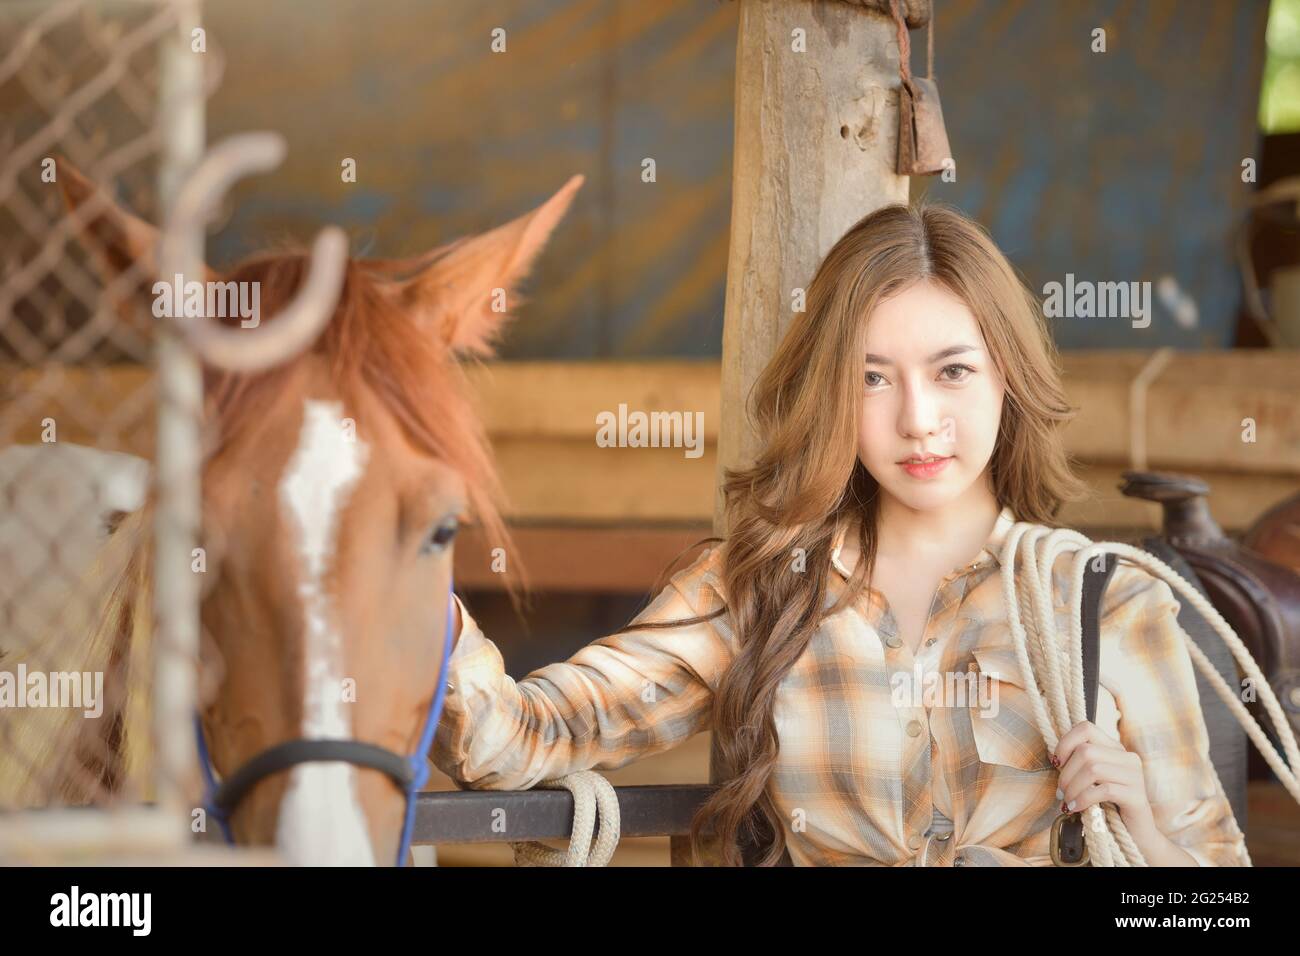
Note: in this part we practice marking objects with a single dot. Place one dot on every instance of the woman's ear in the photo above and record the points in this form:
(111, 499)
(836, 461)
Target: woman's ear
(465, 296)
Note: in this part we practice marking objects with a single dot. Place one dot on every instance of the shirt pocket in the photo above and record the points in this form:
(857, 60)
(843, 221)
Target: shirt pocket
(1002, 716)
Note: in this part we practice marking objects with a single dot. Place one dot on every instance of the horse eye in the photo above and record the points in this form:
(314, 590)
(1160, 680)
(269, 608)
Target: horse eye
(440, 537)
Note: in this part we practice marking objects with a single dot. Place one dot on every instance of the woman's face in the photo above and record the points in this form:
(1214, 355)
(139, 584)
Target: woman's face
(930, 389)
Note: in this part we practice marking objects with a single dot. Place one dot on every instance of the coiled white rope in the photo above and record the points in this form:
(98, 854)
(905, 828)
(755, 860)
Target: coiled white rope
(1058, 667)
(592, 793)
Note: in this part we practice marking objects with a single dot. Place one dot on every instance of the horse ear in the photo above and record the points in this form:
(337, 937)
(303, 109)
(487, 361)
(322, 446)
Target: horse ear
(467, 293)
(119, 241)
(117, 238)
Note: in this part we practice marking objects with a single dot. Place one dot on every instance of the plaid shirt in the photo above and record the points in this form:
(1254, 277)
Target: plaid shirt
(873, 770)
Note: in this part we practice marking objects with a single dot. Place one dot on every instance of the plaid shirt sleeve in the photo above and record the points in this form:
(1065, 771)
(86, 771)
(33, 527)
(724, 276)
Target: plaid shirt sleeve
(618, 699)
(1148, 668)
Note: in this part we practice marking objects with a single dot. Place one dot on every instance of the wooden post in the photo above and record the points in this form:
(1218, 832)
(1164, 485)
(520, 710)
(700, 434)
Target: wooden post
(816, 139)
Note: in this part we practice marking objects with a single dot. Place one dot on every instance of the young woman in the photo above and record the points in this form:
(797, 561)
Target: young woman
(908, 419)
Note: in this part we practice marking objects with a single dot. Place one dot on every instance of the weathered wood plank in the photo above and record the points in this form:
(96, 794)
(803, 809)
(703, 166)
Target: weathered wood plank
(577, 559)
(1196, 407)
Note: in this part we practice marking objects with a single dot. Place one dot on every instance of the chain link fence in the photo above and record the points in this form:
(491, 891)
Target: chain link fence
(95, 748)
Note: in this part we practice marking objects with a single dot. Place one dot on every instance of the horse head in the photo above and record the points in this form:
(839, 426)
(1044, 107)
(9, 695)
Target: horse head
(333, 485)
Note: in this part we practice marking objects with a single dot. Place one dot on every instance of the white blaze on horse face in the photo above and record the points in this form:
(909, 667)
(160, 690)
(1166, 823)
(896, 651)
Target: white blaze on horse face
(321, 821)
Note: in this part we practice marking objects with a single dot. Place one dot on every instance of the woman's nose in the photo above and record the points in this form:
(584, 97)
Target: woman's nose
(921, 414)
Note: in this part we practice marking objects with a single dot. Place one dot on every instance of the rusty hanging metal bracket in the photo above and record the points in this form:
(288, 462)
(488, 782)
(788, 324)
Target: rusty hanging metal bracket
(923, 148)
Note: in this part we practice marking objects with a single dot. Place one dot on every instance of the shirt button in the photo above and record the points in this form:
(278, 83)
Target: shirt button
(894, 642)
(930, 641)
(943, 836)
(913, 728)
(914, 842)
(959, 860)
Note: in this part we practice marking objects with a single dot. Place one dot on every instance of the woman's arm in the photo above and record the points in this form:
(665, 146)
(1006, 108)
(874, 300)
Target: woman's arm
(1146, 665)
(619, 698)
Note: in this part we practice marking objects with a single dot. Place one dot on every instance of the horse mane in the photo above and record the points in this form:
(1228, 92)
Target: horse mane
(371, 344)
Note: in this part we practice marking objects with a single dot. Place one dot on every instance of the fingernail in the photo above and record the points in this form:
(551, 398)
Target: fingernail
(1059, 794)
(1073, 804)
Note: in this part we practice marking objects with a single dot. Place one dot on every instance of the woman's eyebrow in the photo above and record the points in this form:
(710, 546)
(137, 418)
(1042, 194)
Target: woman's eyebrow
(941, 354)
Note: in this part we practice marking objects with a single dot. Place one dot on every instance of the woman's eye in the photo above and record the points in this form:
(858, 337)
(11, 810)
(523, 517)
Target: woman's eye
(440, 537)
(963, 369)
(872, 383)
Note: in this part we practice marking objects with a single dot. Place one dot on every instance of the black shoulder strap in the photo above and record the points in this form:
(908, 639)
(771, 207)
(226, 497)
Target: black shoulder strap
(1096, 576)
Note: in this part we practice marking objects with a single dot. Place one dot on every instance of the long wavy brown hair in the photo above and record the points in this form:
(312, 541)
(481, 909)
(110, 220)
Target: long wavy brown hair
(808, 479)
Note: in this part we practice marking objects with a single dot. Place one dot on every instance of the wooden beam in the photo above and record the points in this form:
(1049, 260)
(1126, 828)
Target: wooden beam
(560, 400)
(541, 417)
(564, 558)
(571, 480)
(1196, 409)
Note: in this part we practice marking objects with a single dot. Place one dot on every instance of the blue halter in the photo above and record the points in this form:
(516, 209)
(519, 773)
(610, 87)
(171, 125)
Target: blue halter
(410, 773)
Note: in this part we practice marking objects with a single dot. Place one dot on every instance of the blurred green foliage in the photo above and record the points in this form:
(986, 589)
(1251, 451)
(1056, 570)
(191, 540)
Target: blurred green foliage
(1279, 101)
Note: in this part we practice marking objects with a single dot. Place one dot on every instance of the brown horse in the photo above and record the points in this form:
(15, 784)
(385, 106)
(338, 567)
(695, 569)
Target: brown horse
(333, 485)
